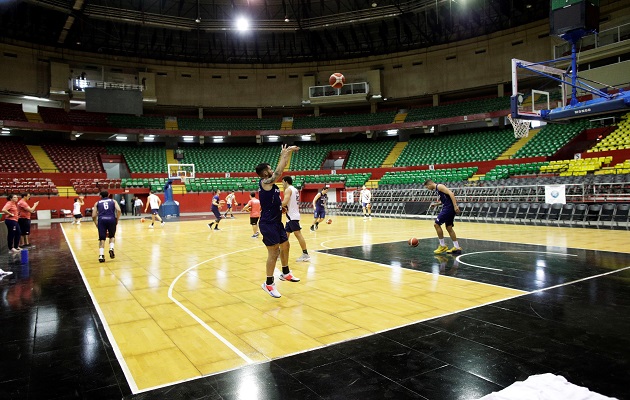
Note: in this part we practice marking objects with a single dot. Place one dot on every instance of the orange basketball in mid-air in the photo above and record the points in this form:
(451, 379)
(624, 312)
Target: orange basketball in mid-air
(329, 221)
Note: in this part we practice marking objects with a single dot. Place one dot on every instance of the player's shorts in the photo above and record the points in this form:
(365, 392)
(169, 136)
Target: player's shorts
(78, 216)
(25, 226)
(446, 216)
(216, 212)
(292, 226)
(320, 212)
(155, 211)
(106, 228)
(253, 220)
(229, 207)
(365, 204)
(273, 233)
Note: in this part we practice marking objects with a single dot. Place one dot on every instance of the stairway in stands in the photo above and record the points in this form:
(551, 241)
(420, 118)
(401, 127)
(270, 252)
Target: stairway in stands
(287, 123)
(33, 117)
(42, 159)
(507, 154)
(393, 155)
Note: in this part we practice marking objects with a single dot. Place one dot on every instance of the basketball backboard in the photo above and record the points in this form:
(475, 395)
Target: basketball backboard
(181, 171)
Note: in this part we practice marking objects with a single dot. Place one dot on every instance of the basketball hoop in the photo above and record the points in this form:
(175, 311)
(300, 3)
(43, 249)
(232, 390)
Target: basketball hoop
(521, 126)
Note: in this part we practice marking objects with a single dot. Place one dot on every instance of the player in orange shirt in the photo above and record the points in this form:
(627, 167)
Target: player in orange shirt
(253, 206)
(24, 218)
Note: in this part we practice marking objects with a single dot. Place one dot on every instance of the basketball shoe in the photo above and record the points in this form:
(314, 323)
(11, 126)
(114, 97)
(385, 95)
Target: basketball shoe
(455, 250)
(441, 249)
(111, 253)
(304, 257)
(271, 289)
(101, 259)
(289, 277)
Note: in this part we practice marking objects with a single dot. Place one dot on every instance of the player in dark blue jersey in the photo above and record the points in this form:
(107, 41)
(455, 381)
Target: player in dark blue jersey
(446, 217)
(216, 203)
(105, 216)
(270, 223)
(320, 202)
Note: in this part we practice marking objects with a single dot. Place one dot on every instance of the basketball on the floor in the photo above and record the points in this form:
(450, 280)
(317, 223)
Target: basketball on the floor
(141, 219)
(337, 80)
(413, 242)
(329, 221)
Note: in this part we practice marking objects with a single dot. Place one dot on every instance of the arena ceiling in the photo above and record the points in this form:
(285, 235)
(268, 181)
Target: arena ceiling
(281, 31)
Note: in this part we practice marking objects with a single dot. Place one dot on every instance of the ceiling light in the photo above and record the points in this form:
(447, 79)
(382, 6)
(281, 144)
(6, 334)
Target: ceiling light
(6, 129)
(188, 138)
(217, 139)
(286, 19)
(392, 132)
(35, 98)
(242, 24)
(198, 20)
(273, 138)
(374, 4)
(118, 137)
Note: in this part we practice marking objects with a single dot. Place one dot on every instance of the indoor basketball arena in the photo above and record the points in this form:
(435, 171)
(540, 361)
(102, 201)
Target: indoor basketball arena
(296, 199)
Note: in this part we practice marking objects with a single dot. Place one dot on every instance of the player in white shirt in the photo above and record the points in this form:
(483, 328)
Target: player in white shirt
(229, 200)
(155, 203)
(366, 202)
(291, 203)
(76, 210)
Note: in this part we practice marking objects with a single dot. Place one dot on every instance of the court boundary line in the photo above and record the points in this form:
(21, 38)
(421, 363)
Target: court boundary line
(121, 360)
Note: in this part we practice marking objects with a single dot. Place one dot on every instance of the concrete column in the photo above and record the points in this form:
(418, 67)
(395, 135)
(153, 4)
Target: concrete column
(373, 107)
(259, 112)
(200, 112)
(500, 90)
(316, 111)
(436, 100)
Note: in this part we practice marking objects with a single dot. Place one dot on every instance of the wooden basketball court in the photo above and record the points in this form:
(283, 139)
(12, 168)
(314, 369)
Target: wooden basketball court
(181, 301)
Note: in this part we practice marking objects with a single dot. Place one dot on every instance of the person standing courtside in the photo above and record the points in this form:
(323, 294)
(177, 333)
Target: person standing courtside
(366, 202)
(76, 210)
(292, 203)
(123, 205)
(216, 203)
(446, 217)
(24, 218)
(137, 206)
(155, 203)
(253, 207)
(319, 205)
(274, 235)
(10, 209)
(229, 200)
(106, 215)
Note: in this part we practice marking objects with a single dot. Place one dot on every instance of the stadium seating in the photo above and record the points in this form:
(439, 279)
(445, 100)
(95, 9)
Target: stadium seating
(224, 124)
(361, 154)
(94, 186)
(12, 112)
(75, 158)
(468, 107)
(220, 158)
(15, 157)
(339, 121)
(134, 122)
(550, 139)
(455, 148)
(36, 186)
(505, 171)
(418, 177)
(619, 139)
(148, 158)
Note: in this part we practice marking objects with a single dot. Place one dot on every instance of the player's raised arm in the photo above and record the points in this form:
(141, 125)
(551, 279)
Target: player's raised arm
(284, 159)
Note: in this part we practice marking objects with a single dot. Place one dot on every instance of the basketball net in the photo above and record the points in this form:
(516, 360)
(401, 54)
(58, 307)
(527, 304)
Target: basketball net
(521, 126)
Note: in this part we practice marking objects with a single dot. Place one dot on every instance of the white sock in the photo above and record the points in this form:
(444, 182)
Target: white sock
(441, 242)
(101, 251)
(455, 243)
(111, 246)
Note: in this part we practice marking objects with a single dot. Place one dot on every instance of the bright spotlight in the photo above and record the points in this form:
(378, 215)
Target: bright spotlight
(242, 24)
